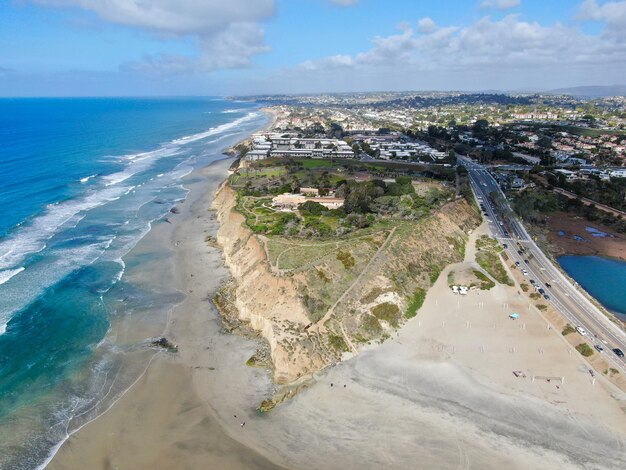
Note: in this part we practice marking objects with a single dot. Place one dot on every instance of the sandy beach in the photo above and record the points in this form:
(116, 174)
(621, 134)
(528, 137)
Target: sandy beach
(163, 420)
(441, 394)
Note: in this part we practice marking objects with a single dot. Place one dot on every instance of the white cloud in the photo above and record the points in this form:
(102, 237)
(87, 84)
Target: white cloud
(500, 4)
(426, 25)
(485, 44)
(228, 32)
(613, 14)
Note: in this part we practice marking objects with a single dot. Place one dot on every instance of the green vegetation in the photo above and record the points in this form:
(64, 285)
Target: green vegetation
(416, 303)
(338, 343)
(366, 203)
(387, 312)
(346, 259)
(533, 206)
(584, 349)
(371, 326)
(372, 295)
(525, 287)
(542, 307)
(569, 329)
(491, 263)
(488, 258)
(485, 282)
(486, 243)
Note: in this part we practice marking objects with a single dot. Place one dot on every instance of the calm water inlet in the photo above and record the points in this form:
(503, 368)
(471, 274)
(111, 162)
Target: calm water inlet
(603, 278)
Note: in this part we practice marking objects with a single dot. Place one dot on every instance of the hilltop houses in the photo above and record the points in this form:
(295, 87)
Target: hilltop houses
(274, 145)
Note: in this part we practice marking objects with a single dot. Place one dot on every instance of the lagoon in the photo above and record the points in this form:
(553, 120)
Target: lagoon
(603, 278)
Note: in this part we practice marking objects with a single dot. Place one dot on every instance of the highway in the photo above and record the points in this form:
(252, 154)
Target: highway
(577, 309)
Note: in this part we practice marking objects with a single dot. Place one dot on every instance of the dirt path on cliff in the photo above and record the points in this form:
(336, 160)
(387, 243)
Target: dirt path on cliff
(357, 280)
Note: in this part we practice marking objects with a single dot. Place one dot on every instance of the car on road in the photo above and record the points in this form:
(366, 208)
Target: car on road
(526, 261)
(546, 296)
(548, 285)
(598, 347)
(541, 291)
(524, 272)
(532, 281)
(519, 252)
(517, 263)
(618, 352)
(581, 331)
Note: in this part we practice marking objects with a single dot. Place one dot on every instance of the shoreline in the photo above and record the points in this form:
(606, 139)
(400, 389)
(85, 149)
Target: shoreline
(428, 394)
(155, 389)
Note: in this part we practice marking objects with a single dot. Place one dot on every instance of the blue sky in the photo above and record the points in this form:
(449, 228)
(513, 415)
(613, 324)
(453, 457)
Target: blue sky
(197, 47)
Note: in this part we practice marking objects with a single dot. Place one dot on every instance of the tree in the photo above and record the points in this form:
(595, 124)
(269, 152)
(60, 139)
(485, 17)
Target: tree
(545, 143)
(313, 208)
(335, 131)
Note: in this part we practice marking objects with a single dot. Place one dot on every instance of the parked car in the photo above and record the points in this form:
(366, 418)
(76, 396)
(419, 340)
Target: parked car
(548, 285)
(517, 263)
(581, 331)
(618, 352)
(532, 281)
(598, 348)
(546, 296)
(505, 246)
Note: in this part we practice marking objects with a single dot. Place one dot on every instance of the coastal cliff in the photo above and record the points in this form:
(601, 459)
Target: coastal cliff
(267, 303)
(346, 294)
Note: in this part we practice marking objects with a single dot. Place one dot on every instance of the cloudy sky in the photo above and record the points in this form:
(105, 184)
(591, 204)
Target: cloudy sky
(217, 47)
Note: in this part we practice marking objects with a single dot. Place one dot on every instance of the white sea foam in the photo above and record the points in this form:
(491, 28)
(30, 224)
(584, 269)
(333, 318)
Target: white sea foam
(216, 130)
(9, 273)
(139, 162)
(31, 238)
(3, 328)
(231, 111)
(87, 178)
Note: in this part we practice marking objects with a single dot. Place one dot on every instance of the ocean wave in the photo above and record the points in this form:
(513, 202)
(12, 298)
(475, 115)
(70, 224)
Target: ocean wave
(3, 328)
(31, 237)
(138, 163)
(216, 130)
(7, 274)
(87, 178)
(231, 111)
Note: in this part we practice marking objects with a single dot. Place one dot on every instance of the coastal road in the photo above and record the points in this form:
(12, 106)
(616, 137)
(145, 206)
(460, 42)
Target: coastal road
(573, 304)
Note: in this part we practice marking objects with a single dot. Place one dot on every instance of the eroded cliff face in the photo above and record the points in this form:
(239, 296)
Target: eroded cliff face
(357, 292)
(269, 304)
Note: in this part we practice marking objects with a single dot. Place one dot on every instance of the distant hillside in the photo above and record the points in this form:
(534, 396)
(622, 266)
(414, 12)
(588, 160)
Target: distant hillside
(593, 91)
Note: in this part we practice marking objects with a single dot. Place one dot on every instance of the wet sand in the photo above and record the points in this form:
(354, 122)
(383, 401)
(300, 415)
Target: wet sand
(428, 398)
(162, 421)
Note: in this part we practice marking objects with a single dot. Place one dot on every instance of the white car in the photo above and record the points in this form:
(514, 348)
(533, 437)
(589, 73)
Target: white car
(581, 331)
(524, 272)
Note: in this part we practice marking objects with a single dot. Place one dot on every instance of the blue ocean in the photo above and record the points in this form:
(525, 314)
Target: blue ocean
(603, 278)
(81, 182)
